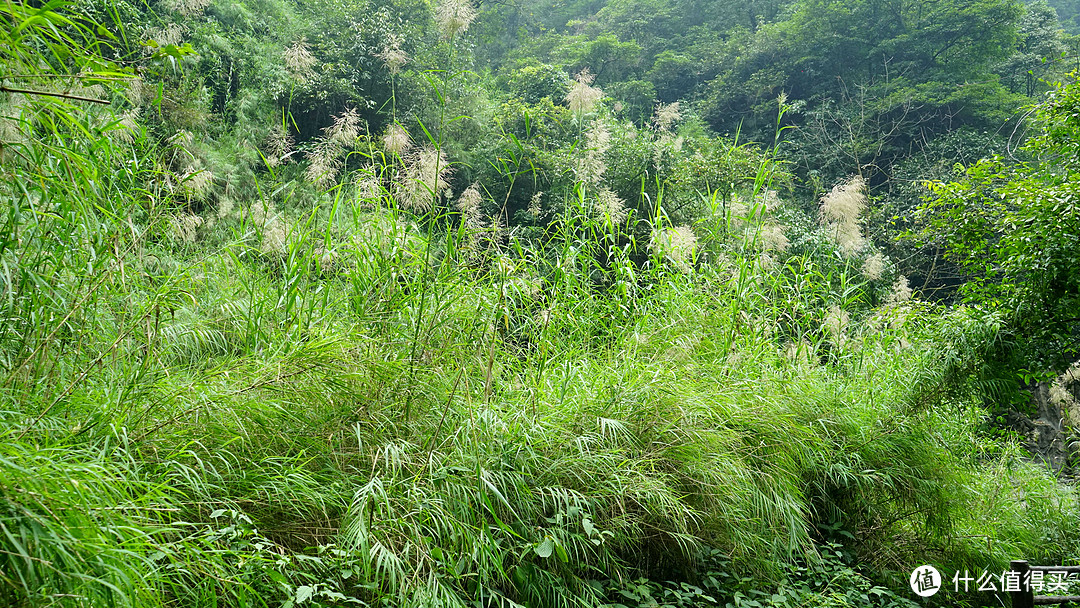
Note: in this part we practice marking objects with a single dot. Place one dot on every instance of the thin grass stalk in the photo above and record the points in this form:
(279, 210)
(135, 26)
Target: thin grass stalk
(424, 284)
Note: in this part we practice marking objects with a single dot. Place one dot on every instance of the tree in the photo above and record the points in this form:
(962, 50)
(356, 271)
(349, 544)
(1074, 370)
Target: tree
(937, 56)
(1039, 44)
(1068, 13)
(1014, 229)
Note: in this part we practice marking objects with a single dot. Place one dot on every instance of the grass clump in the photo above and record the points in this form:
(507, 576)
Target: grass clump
(382, 398)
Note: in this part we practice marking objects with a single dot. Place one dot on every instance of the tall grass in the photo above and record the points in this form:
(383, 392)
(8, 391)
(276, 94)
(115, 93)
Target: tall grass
(337, 404)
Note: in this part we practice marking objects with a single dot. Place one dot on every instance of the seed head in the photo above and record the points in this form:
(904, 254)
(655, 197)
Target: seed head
(773, 238)
(298, 60)
(346, 128)
(874, 267)
(900, 293)
(278, 144)
(536, 206)
(666, 115)
(324, 165)
(585, 76)
(196, 183)
(1072, 374)
(840, 211)
(470, 199)
(225, 207)
(187, 8)
(396, 140)
(610, 207)
(582, 97)
(426, 175)
(590, 164)
(845, 202)
(185, 227)
(678, 245)
(469, 204)
(454, 16)
(125, 129)
(836, 323)
(392, 56)
(172, 33)
(368, 188)
(770, 200)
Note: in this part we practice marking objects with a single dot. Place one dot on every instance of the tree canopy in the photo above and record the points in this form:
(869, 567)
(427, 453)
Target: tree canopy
(1013, 226)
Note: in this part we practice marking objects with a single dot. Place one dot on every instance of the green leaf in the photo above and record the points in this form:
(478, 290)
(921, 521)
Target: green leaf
(588, 526)
(545, 548)
(304, 593)
(561, 552)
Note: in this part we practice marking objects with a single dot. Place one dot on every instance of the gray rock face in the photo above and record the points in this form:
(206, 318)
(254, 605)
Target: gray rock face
(1049, 435)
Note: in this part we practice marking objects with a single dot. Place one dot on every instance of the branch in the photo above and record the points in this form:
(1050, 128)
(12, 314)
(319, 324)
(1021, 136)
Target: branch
(7, 89)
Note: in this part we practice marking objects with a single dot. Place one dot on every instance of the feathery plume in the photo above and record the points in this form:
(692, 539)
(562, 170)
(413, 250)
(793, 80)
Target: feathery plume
(469, 205)
(836, 323)
(799, 352)
(582, 97)
(278, 145)
(187, 8)
(590, 165)
(874, 267)
(536, 206)
(678, 245)
(610, 207)
(184, 228)
(396, 140)
(225, 207)
(846, 201)
(183, 140)
(172, 33)
(345, 129)
(273, 230)
(137, 91)
(770, 200)
(585, 76)
(1062, 396)
(298, 60)
(196, 183)
(454, 16)
(478, 235)
(368, 188)
(1072, 374)
(391, 54)
(323, 164)
(324, 158)
(900, 293)
(426, 175)
(666, 115)
(773, 238)
(840, 211)
(274, 237)
(124, 130)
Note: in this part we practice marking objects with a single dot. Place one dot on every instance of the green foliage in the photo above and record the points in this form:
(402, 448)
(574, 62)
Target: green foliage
(821, 578)
(1067, 14)
(517, 352)
(535, 82)
(47, 41)
(1039, 46)
(1009, 227)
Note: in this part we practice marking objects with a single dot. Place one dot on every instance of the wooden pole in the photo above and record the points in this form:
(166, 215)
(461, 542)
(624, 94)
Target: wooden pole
(1025, 597)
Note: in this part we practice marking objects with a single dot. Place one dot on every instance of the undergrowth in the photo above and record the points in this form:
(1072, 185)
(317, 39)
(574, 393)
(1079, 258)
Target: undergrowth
(348, 400)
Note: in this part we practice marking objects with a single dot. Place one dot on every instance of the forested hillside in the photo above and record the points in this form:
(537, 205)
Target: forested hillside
(1068, 14)
(626, 303)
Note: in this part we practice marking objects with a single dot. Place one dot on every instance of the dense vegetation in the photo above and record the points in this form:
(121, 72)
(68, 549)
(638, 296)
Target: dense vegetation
(626, 303)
